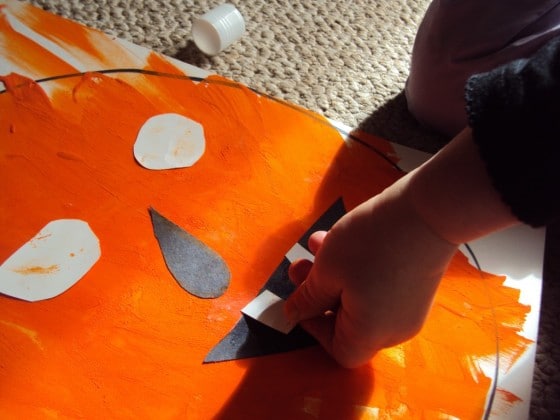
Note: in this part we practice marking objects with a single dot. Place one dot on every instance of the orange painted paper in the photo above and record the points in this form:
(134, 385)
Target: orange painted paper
(126, 341)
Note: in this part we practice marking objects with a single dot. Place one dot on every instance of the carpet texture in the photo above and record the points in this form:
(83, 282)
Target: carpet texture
(347, 60)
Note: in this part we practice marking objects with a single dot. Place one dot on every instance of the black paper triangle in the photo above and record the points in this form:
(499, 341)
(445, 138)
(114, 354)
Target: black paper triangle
(250, 338)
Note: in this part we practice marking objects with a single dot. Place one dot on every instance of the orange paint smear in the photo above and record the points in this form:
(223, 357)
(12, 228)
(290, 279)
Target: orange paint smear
(505, 400)
(508, 396)
(127, 341)
(37, 269)
(68, 33)
(36, 59)
(95, 49)
(460, 330)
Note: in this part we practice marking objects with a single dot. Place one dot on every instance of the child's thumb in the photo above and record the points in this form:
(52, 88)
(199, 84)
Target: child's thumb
(309, 300)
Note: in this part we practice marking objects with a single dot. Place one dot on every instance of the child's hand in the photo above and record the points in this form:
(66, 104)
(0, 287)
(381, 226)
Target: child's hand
(377, 270)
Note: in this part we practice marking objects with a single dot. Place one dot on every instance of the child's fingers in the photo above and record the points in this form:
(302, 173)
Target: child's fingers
(316, 240)
(345, 345)
(311, 299)
(299, 270)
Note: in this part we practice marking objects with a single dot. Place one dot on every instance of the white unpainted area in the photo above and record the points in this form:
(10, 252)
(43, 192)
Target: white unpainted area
(142, 54)
(44, 42)
(131, 56)
(169, 141)
(298, 252)
(51, 262)
(268, 309)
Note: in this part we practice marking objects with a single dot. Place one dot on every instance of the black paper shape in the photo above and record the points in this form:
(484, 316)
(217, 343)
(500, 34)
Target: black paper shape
(197, 268)
(250, 338)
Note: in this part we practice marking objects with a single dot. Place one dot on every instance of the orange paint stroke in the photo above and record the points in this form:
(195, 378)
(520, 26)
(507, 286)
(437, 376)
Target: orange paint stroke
(37, 269)
(127, 341)
(504, 402)
(36, 58)
(68, 33)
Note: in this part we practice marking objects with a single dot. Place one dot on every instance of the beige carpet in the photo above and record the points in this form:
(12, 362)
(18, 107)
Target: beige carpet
(347, 60)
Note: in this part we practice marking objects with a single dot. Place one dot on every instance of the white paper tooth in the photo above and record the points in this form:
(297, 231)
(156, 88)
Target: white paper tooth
(168, 141)
(51, 262)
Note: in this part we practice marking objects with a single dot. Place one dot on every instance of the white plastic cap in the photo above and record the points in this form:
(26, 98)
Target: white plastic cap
(218, 28)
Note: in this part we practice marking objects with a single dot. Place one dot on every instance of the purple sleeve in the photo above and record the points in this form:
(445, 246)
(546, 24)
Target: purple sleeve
(514, 113)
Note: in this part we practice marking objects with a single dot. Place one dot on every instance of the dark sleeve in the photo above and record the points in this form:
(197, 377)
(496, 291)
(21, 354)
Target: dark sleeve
(514, 113)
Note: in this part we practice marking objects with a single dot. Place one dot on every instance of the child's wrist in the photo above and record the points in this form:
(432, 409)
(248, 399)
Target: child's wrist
(454, 195)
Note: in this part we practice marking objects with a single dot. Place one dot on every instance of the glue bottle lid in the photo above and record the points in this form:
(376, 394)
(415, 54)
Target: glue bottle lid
(218, 28)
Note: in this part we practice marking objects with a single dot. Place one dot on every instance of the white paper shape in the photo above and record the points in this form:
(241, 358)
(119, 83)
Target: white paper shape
(268, 309)
(168, 141)
(298, 252)
(51, 262)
